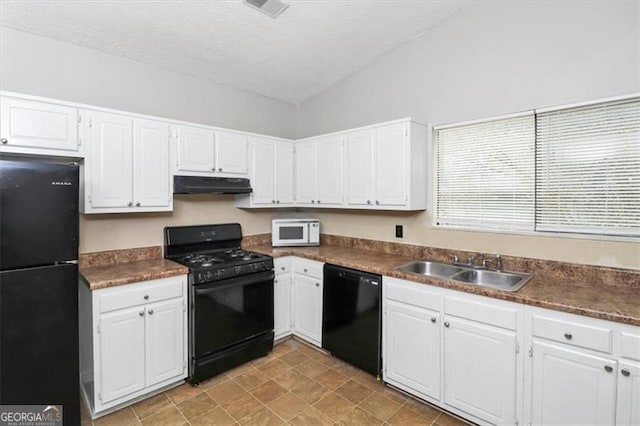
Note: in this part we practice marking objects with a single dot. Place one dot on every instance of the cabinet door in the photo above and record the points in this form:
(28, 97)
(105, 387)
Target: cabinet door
(306, 173)
(571, 387)
(165, 341)
(480, 370)
(284, 172)
(33, 124)
(307, 307)
(282, 298)
(329, 151)
(151, 186)
(359, 168)
(122, 353)
(111, 161)
(391, 165)
(263, 170)
(196, 149)
(232, 153)
(628, 411)
(412, 348)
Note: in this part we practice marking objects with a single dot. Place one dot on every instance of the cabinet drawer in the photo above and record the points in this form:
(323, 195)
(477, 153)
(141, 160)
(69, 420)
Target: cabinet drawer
(125, 296)
(489, 312)
(412, 294)
(282, 265)
(570, 333)
(630, 346)
(308, 267)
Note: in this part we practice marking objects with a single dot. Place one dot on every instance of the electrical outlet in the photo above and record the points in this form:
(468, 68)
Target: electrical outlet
(399, 231)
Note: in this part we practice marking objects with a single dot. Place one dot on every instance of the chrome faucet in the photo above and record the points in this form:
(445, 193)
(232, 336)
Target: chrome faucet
(474, 258)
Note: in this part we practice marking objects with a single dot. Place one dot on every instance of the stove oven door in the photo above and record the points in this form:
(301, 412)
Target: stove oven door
(231, 311)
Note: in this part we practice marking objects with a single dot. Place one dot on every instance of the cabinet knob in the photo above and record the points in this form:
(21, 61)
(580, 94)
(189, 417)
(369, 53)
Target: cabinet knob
(446, 324)
(275, 281)
(377, 203)
(568, 336)
(277, 201)
(282, 267)
(273, 201)
(305, 270)
(146, 297)
(317, 284)
(608, 368)
(625, 372)
(141, 313)
(138, 204)
(219, 169)
(4, 141)
(213, 169)
(433, 320)
(150, 311)
(313, 201)
(130, 204)
(368, 201)
(318, 201)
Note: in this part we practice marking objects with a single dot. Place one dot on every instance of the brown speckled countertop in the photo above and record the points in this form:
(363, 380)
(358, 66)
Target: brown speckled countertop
(620, 303)
(118, 267)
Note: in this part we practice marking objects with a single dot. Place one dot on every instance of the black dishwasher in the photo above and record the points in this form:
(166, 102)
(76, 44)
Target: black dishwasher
(351, 317)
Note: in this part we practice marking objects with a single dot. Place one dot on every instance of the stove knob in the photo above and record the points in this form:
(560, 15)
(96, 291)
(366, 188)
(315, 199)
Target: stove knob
(219, 273)
(238, 269)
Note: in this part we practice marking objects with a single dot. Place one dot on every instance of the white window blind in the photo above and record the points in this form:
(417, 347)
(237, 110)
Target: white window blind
(485, 174)
(588, 169)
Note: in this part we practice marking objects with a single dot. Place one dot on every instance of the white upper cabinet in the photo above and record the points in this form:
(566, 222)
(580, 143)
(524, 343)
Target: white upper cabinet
(359, 168)
(127, 165)
(306, 176)
(329, 171)
(392, 177)
(271, 173)
(35, 127)
(202, 151)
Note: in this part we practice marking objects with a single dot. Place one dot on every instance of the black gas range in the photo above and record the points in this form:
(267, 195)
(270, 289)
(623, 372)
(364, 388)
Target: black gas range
(230, 297)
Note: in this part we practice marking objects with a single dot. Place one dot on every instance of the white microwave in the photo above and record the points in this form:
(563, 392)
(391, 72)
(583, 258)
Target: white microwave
(295, 232)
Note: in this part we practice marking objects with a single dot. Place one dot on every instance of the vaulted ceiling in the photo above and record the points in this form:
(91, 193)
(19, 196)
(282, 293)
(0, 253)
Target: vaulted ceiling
(309, 47)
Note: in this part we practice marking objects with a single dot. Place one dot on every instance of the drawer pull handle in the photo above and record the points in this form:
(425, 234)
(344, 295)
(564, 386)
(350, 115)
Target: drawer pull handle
(433, 320)
(4, 141)
(141, 313)
(608, 368)
(150, 311)
(446, 324)
(305, 270)
(317, 284)
(146, 297)
(568, 336)
(625, 372)
(282, 267)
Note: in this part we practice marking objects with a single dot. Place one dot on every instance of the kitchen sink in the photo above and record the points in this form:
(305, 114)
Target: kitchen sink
(508, 281)
(434, 269)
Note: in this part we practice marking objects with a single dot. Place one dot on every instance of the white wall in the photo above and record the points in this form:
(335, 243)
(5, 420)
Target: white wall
(45, 67)
(492, 58)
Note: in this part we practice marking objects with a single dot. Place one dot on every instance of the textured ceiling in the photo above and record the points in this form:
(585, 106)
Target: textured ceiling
(309, 47)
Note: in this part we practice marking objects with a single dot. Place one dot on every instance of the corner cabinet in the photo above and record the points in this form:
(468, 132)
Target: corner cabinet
(132, 341)
(283, 292)
(307, 300)
(127, 164)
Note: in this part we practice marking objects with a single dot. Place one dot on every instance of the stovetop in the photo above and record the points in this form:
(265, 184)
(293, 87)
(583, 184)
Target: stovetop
(219, 257)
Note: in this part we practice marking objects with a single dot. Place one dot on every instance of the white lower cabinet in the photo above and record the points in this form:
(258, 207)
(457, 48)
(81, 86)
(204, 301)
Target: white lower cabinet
(283, 289)
(132, 341)
(628, 406)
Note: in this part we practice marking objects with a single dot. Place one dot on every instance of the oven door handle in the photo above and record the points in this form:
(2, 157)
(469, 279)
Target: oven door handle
(234, 282)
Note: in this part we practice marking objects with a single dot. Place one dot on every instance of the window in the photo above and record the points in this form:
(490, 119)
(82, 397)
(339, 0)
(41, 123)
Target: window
(573, 169)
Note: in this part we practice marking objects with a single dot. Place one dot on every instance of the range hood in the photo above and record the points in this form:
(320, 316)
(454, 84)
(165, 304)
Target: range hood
(210, 185)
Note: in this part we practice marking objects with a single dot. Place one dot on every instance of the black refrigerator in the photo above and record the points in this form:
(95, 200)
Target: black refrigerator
(39, 284)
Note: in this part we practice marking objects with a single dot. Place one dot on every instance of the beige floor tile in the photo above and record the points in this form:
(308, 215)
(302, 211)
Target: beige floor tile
(243, 405)
(380, 406)
(287, 406)
(311, 391)
(346, 369)
(311, 417)
(274, 367)
(258, 362)
(331, 379)
(290, 379)
(85, 416)
(405, 416)
(167, 417)
(445, 419)
(334, 406)
(262, 417)
(123, 417)
(354, 391)
(225, 392)
(197, 405)
(215, 416)
(182, 393)
(294, 358)
(393, 394)
(422, 408)
(214, 381)
(368, 380)
(328, 360)
(251, 379)
(312, 368)
(358, 416)
(268, 391)
(150, 406)
(281, 349)
(241, 369)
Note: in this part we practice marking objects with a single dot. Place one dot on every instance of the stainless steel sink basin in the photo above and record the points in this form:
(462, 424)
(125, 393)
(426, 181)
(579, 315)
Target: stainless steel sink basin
(509, 281)
(434, 269)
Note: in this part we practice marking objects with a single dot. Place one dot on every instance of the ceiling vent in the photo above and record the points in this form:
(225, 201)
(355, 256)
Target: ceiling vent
(271, 8)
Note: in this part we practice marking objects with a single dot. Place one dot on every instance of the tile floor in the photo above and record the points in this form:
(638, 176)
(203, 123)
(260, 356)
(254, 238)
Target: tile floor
(295, 385)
